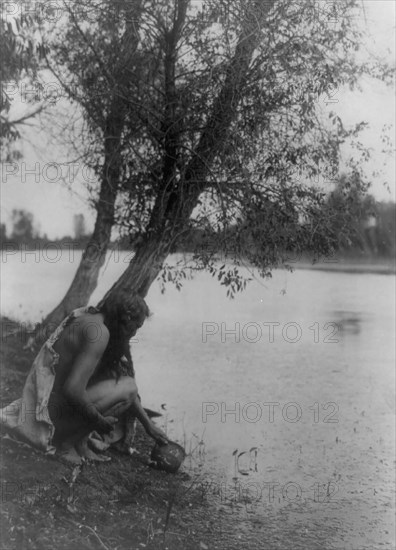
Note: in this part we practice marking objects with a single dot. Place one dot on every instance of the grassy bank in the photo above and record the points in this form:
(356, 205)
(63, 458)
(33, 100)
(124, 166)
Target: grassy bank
(122, 504)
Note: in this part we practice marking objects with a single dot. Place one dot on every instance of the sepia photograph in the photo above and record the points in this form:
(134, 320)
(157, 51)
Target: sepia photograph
(198, 299)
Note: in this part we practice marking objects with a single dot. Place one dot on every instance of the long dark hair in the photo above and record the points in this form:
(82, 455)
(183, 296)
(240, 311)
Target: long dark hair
(114, 310)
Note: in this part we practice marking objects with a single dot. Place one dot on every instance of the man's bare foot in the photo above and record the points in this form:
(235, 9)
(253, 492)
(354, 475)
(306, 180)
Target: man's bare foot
(84, 451)
(69, 455)
(97, 443)
(123, 447)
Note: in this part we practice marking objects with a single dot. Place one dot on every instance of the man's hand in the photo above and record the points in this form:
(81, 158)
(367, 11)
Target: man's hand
(157, 434)
(106, 424)
(150, 428)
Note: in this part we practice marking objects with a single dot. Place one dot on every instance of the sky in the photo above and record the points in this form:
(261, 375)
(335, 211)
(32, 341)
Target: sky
(53, 203)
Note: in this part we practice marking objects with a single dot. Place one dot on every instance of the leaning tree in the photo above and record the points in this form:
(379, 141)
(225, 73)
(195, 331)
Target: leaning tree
(222, 120)
(91, 56)
(234, 132)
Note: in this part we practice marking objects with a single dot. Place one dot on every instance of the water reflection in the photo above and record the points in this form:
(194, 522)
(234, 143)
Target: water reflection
(347, 321)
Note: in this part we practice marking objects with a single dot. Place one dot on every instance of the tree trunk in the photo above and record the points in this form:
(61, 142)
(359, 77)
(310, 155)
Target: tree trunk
(173, 208)
(93, 258)
(144, 267)
(86, 277)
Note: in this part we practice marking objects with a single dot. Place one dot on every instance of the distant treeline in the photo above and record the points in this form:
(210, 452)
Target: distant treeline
(39, 242)
(24, 233)
(372, 236)
(375, 235)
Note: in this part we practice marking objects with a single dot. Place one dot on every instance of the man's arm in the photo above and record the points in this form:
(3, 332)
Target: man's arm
(83, 367)
(147, 423)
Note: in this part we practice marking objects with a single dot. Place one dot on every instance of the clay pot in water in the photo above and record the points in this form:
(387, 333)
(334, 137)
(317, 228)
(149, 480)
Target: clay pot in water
(168, 457)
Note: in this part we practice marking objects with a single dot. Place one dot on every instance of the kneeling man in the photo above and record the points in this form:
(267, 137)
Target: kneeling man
(76, 385)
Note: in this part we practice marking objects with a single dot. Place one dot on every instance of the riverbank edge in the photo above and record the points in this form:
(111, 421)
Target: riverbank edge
(346, 266)
(122, 504)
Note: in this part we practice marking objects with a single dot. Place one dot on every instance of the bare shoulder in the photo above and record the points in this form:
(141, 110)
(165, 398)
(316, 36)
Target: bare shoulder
(93, 330)
(90, 331)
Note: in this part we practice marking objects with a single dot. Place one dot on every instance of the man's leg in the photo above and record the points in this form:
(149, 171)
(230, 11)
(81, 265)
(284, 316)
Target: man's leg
(114, 399)
(110, 397)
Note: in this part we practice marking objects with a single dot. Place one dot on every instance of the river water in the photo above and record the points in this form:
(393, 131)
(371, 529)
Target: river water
(283, 397)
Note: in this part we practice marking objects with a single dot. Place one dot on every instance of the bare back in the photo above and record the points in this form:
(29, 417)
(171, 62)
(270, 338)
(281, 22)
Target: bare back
(86, 334)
